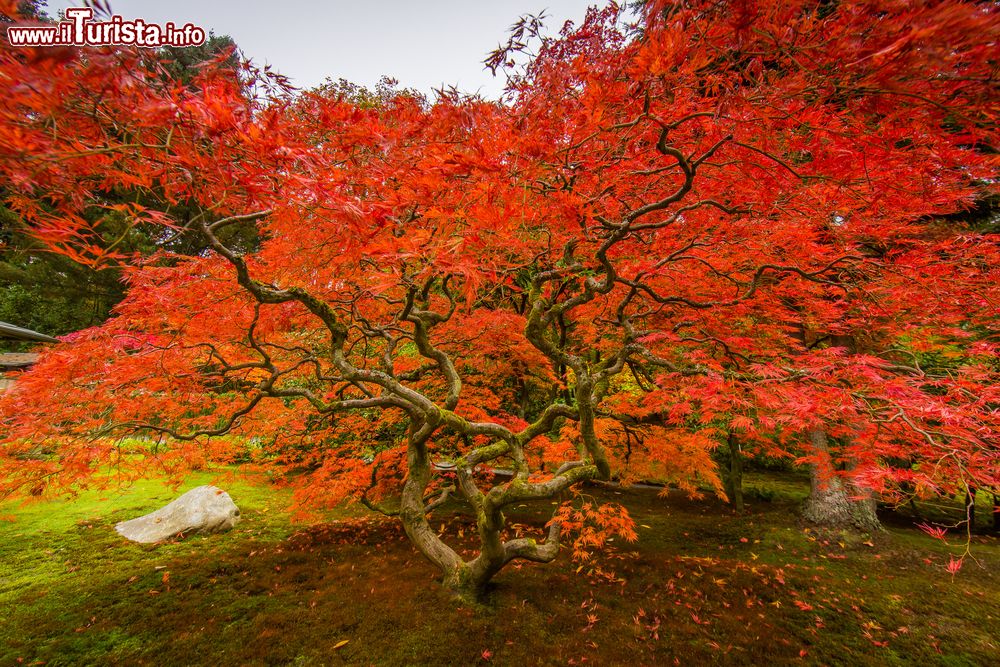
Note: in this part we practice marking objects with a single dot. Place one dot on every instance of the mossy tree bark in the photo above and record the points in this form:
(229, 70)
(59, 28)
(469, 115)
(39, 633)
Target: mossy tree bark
(468, 579)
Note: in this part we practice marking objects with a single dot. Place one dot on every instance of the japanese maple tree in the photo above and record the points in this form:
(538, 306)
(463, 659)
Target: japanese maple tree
(657, 238)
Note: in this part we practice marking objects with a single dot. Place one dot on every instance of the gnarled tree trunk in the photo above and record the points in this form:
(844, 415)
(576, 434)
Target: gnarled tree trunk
(832, 502)
(468, 579)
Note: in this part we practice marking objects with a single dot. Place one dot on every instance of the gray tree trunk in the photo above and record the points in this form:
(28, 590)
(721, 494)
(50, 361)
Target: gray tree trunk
(832, 503)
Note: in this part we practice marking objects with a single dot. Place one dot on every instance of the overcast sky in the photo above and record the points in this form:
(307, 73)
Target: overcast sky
(424, 44)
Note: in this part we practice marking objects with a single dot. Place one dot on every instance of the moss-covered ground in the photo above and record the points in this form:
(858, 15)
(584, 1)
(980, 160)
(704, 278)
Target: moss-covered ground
(701, 586)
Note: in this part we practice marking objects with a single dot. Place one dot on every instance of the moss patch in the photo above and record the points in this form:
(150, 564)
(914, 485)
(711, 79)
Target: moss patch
(701, 586)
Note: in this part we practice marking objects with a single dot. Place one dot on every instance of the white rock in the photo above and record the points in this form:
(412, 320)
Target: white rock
(204, 509)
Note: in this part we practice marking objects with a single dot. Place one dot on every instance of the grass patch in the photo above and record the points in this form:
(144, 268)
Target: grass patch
(701, 586)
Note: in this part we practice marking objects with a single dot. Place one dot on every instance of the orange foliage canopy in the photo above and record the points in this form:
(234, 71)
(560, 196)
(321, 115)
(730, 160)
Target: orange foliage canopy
(732, 216)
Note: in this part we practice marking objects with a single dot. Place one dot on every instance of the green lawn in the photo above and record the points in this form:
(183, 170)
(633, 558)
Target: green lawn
(701, 586)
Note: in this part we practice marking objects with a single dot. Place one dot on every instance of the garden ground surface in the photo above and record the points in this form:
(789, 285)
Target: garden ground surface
(701, 586)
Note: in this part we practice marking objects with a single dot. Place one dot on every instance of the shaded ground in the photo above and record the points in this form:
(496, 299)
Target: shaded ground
(700, 587)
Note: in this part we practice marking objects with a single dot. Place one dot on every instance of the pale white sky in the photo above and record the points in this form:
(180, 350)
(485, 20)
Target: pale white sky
(423, 44)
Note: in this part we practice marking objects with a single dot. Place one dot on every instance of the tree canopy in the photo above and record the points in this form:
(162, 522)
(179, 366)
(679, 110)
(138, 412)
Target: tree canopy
(732, 217)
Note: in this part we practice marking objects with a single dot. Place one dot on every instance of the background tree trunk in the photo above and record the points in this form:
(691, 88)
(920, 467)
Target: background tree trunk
(996, 511)
(734, 479)
(970, 508)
